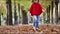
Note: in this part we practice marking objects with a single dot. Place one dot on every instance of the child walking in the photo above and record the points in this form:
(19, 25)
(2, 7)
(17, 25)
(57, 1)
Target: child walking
(35, 11)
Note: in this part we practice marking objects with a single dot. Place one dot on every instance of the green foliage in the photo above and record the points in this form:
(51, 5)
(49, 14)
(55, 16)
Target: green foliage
(26, 4)
(2, 10)
(2, 7)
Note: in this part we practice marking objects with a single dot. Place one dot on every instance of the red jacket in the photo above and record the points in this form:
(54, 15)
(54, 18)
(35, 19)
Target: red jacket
(35, 9)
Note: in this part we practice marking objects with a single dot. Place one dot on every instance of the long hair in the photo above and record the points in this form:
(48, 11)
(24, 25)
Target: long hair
(35, 0)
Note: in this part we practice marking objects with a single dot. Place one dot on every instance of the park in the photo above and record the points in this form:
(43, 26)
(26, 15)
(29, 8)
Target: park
(15, 18)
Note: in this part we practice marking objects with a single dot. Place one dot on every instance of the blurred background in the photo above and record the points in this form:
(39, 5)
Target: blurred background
(14, 12)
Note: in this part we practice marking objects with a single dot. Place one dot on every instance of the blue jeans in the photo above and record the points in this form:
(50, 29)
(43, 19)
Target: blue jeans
(35, 21)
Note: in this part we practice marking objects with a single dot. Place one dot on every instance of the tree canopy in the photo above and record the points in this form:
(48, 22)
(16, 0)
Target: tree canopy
(26, 4)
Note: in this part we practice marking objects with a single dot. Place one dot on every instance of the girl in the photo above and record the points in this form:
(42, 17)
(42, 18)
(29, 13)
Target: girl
(35, 11)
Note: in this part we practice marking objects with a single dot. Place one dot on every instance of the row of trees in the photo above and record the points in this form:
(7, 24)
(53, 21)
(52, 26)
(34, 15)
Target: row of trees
(9, 13)
(24, 13)
(54, 3)
(10, 16)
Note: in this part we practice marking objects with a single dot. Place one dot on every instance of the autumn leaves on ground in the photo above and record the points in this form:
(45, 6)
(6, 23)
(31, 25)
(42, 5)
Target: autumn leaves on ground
(28, 29)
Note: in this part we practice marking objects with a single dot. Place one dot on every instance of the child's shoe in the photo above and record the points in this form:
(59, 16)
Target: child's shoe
(34, 28)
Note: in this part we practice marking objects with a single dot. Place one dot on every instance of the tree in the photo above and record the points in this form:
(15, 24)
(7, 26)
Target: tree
(56, 11)
(52, 6)
(1, 9)
(15, 14)
(19, 11)
(0, 19)
(48, 14)
(24, 16)
(9, 12)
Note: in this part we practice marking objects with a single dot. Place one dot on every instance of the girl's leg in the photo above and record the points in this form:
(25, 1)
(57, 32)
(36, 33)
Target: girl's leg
(35, 21)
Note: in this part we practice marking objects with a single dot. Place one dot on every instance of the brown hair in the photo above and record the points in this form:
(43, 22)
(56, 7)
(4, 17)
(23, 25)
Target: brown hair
(35, 0)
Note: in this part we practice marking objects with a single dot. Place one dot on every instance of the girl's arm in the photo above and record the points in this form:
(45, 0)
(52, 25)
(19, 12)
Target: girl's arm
(43, 10)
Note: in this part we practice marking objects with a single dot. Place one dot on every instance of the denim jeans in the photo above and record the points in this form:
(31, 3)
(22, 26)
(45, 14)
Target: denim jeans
(35, 21)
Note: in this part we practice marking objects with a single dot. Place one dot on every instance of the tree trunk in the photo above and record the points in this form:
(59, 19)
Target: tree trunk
(56, 12)
(19, 12)
(15, 13)
(44, 17)
(52, 12)
(9, 12)
(0, 19)
(24, 16)
(48, 14)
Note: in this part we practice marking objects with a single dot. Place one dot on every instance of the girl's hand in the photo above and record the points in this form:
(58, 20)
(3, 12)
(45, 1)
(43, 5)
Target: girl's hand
(43, 10)
(29, 13)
